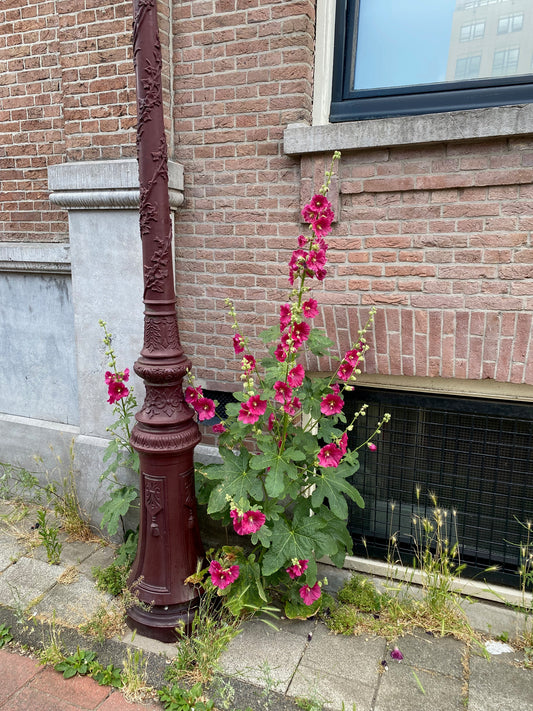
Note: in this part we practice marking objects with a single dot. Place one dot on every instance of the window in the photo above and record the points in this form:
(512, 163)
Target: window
(401, 57)
(473, 31)
(510, 23)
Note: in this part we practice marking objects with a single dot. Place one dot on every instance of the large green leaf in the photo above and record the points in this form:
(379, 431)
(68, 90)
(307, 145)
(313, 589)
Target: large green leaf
(331, 484)
(278, 465)
(318, 343)
(118, 505)
(236, 480)
(293, 539)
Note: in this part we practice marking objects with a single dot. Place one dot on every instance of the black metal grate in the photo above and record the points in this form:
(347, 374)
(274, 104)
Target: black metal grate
(474, 455)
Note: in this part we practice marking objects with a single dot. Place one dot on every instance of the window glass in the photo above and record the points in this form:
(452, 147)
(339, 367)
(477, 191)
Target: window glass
(415, 42)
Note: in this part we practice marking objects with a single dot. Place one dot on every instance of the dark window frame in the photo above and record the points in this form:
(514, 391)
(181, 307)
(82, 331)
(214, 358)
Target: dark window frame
(350, 105)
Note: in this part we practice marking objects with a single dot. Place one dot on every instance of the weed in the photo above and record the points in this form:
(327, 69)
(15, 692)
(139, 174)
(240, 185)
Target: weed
(418, 682)
(48, 535)
(177, 699)
(107, 621)
(113, 579)
(52, 652)
(212, 629)
(77, 663)
(106, 676)
(134, 678)
(5, 635)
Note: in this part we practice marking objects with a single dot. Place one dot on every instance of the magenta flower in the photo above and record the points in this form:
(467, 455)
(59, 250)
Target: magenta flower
(252, 409)
(309, 595)
(329, 456)
(302, 241)
(205, 408)
(352, 357)
(280, 353)
(283, 391)
(331, 404)
(296, 376)
(238, 343)
(115, 385)
(292, 406)
(247, 523)
(343, 443)
(396, 654)
(297, 569)
(192, 395)
(372, 447)
(248, 363)
(219, 428)
(316, 260)
(345, 371)
(271, 420)
(222, 577)
(310, 308)
(322, 225)
(285, 315)
(300, 333)
(320, 203)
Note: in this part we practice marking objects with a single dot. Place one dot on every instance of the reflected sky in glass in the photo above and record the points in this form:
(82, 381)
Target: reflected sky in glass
(402, 42)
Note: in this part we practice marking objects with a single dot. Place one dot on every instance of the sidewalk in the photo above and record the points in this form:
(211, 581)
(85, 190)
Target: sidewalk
(266, 669)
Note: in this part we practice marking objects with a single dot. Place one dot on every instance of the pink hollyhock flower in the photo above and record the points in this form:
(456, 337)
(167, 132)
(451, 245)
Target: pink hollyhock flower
(343, 443)
(296, 261)
(219, 428)
(396, 654)
(310, 308)
(252, 409)
(352, 357)
(302, 241)
(309, 214)
(372, 447)
(205, 408)
(238, 343)
(322, 225)
(296, 376)
(280, 353)
(283, 391)
(319, 203)
(116, 391)
(345, 371)
(292, 406)
(300, 333)
(297, 569)
(329, 456)
(309, 595)
(271, 420)
(316, 260)
(336, 388)
(222, 577)
(321, 274)
(331, 404)
(248, 363)
(285, 315)
(249, 522)
(192, 395)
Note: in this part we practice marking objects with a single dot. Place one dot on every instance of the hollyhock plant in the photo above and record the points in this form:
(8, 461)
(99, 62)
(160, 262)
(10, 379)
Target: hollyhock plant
(222, 577)
(288, 460)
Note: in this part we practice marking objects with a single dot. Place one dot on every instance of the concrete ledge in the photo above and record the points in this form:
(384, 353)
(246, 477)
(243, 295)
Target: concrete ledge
(45, 257)
(474, 124)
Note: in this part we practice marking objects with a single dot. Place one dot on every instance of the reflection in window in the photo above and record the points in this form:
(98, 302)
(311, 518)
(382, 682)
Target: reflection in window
(467, 67)
(510, 23)
(475, 30)
(505, 61)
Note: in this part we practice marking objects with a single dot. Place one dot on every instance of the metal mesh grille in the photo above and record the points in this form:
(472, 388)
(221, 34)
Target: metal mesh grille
(475, 456)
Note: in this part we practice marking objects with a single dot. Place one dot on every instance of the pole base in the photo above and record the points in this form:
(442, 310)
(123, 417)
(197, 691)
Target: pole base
(160, 622)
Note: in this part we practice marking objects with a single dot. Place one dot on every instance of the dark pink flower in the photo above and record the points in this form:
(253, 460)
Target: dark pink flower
(297, 569)
(372, 447)
(222, 577)
(248, 363)
(329, 456)
(345, 371)
(205, 408)
(296, 376)
(309, 595)
(343, 443)
(321, 274)
(319, 203)
(297, 260)
(309, 213)
(331, 404)
(249, 522)
(219, 428)
(281, 353)
(252, 409)
(285, 315)
(316, 259)
(116, 391)
(192, 395)
(352, 357)
(271, 420)
(336, 388)
(300, 333)
(322, 225)
(292, 406)
(283, 391)
(238, 343)
(396, 654)
(302, 241)
(310, 308)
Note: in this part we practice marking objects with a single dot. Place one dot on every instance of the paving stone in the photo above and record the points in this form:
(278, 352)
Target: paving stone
(87, 692)
(29, 699)
(27, 580)
(10, 550)
(102, 557)
(498, 685)
(438, 654)
(339, 669)
(117, 702)
(259, 651)
(72, 552)
(72, 604)
(16, 672)
(399, 689)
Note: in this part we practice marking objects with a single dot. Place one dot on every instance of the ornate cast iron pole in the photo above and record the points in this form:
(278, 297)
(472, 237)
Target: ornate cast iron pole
(165, 433)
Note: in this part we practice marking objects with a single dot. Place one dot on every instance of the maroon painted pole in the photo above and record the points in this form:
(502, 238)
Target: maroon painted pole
(165, 433)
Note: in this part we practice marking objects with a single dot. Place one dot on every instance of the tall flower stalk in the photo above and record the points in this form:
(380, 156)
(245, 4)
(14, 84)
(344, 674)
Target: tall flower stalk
(287, 465)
